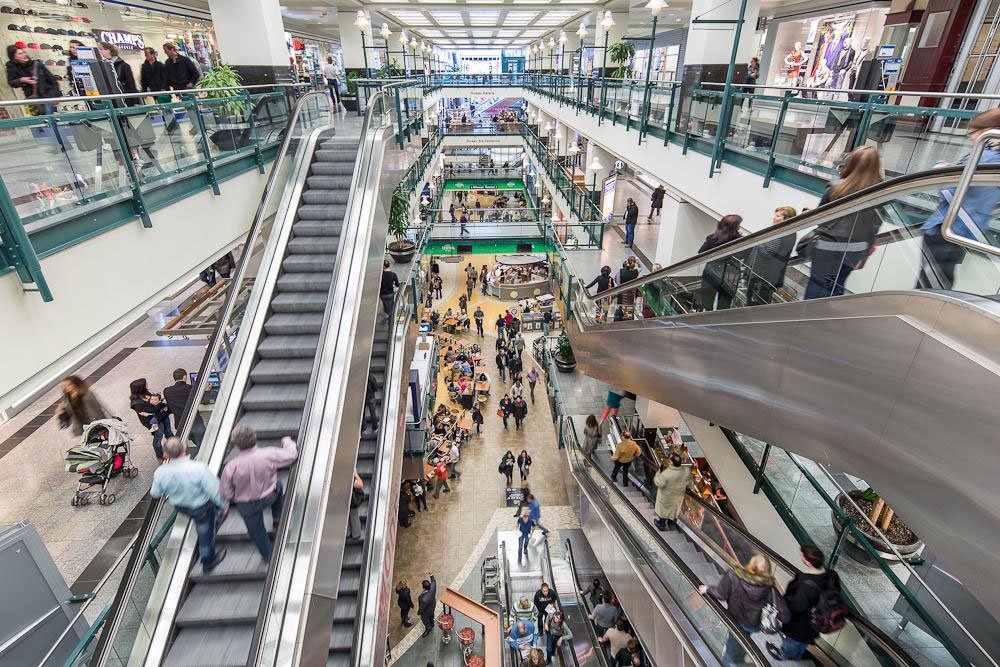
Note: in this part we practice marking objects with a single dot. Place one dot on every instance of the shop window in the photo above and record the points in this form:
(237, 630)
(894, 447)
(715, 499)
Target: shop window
(930, 37)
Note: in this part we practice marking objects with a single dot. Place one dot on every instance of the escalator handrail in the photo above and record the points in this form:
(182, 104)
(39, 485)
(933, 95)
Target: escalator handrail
(862, 199)
(867, 627)
(549, 577)
(734, 628)
(505, 648)
(954, 206)
(143, 537)
(584, 604)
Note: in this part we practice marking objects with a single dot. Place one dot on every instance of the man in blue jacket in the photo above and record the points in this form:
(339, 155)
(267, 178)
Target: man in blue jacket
(940, 256)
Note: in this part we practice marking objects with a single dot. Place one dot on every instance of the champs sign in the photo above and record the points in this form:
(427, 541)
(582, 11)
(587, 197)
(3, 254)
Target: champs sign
(125, 41)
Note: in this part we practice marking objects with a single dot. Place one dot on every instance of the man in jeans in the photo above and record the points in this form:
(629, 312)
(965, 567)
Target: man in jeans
(525, 525)
(387, 288)
(193, 491)
(250, 480)
(631, 217)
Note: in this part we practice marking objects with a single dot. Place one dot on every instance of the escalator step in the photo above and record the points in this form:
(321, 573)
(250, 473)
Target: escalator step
(309, 263)
(308, 212)
(353, 555)
(346, 608)
(342, 636)
(329, 183)
(282, 370)
(304, 282)
(308, 245)
(276, 397)
(288, 347)
(314, 229)
(325, 197)
(233, 526)
(299, 302)
(210, 647)
(294, 323)
(242, 563)
(350, 580)
(332, 154)
(273, 423)
(221, 603)
(333, 168)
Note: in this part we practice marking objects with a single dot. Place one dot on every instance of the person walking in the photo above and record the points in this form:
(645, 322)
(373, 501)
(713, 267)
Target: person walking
(545, 601)
(616, 637)
(840, 246)
(769, 261)
(612, 403)
(517, 389)
(354, 532)
(451, 213)
(502, 364)
(79, 406)
(387, 288)
(152, 76)
(470, 285)
(671, 482)
(177, 396)
(801, 595)
(405, 602)
(441, 474)
(505, 408)
(524, 526)
(745, 590)
(524, 464)
(419, 494)
(478, 317)
(437, 285)
(556, 632)
(535, 511)
(371, 416)
(153, 413)
(604, 282)
(193, 489)
(514, 365)
(546, 322)
(426, 603)
(124, 78)
(594, 592)
(463, 224)
(519, 344)
(181, 74)
(470, 272)
(463, 304)
(454, 456)
(500, 324)
(520, 409)
(31, 76)
(532, 378)
(631, 217)
(627, 451)
(250, 481)
(507, 467)
(591, 435)
(477, 418)
(656, 201)
(332, 75)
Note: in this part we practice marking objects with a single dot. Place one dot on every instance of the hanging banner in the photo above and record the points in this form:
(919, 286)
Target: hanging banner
(125, 41)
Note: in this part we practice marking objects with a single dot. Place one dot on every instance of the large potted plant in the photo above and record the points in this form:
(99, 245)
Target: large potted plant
(401, 250)
(564, 359)
(350, 98)
(621, 55)
(231, 118)
(900, 537)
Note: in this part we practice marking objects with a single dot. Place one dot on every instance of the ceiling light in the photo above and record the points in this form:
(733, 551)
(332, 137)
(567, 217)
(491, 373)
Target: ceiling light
(361, 21)
(595, 165)
(552, 43)
(582, 31)
(413, 42)
(608, 20)
(655, 6)
(402, 37)
(562, 37)
(574, 149)
(385, 32)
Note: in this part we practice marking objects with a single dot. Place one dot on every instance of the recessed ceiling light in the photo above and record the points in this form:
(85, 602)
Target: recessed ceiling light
(482, 33)
(533, 33)
(431, 33)
(520, 18)
(484, 17)
(508, 33)
(448, 18)
(410, 17)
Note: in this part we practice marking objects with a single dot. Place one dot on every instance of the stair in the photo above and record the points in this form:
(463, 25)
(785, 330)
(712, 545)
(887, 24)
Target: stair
(216, 620)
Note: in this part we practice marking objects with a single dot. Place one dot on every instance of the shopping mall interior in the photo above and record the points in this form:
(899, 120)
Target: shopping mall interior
(593, 333)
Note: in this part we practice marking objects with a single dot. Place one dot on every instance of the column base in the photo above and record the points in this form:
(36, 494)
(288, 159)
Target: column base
(258, 75)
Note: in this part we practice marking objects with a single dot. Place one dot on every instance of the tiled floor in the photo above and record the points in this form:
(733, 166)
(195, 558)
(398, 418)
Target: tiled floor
(443, 539)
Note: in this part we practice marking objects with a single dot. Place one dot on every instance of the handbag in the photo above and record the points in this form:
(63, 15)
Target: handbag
(500, 413)
(773, 613)
(806, 244)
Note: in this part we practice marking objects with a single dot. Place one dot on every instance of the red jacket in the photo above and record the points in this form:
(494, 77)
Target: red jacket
(441, 471)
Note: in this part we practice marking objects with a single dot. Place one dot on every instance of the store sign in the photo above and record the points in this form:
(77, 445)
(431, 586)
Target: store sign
(619, 165)
(125, 41)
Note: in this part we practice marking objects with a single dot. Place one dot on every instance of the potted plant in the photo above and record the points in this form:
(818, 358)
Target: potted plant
(900, 537)
(401, 250)
(564, 358)
(621, 54)
(350, 98)
(229, 131)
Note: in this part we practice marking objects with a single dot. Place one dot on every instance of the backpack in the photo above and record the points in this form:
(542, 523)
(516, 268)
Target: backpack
(830, 612)
(774, 614)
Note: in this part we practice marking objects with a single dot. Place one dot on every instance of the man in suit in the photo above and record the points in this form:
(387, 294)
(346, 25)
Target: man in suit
(177, 397)
(426, 604)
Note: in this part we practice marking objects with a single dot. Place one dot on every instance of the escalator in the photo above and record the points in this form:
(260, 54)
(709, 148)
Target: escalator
(585, 644)
(870, 383)
(294, 339)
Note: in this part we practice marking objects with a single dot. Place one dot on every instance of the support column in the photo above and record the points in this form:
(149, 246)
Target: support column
(251, 37)
(350, 42)
(683, 228)
(569, 50)
(710, 45)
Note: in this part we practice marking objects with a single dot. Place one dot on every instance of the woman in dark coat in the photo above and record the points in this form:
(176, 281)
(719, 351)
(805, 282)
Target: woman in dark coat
(153, 413)
(720, 276)
(31, 76)
(405, 602)
(769, 261)
(79, 405)
(524, 464)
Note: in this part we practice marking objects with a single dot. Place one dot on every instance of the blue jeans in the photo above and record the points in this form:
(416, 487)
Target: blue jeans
(204, 524)
(829, 272)
(792, 649)
(550, 647)
(629, 234)
(522, 544)
(162, 431)
(734, 653)
(253, 516)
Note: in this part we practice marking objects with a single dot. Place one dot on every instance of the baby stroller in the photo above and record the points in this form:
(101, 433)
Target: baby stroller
(104, 453)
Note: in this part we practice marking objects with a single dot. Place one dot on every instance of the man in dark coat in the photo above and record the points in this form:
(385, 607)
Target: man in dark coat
(176, 396)
(656, 201)
(426, 604)
(181, 74)
(631, 218)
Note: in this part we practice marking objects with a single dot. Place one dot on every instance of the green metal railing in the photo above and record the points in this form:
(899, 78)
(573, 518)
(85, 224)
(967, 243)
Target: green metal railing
(97, 163)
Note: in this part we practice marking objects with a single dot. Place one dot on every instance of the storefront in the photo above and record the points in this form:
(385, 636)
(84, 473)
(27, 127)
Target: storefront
(308, 57)
(825, 50)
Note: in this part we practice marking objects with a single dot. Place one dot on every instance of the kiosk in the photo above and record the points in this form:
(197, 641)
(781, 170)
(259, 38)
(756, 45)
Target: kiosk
(516, 277)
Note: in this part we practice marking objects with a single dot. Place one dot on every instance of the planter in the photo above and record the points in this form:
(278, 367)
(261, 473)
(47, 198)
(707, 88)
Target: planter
(401, 251)
(350, 102)
(855, 550)
(564, 365)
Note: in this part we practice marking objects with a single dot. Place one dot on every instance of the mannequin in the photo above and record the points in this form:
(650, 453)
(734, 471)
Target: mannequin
(822, 80)
(844, 63)
(859, 57)
(793, 62)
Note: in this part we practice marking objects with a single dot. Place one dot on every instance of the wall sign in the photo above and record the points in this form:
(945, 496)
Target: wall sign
(619, 165)
(125, 41)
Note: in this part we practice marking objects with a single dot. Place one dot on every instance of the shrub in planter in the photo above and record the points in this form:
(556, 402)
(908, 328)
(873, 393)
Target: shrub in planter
(564, 358)
(401, 250)
(904, 540)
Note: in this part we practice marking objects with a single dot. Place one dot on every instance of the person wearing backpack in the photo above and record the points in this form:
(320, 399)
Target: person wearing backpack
(815, 605)
(746, 591)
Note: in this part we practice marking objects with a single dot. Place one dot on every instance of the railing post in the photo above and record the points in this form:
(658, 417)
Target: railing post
(759, 477)
(21, 252)
(774, 137)
(138, 202)
(670, 115)
(257, 155)
(203, 140)
(838, 546)
(866, 120)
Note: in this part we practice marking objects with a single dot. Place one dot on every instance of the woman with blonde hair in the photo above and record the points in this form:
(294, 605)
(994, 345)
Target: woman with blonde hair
(405, 601)
(745, 590)
(838, 247)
